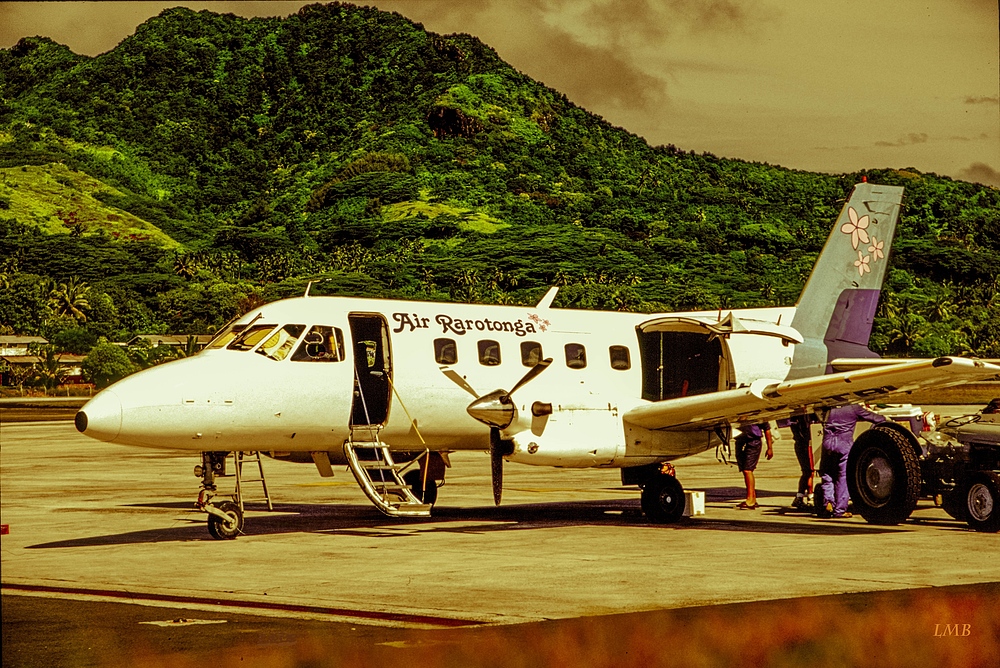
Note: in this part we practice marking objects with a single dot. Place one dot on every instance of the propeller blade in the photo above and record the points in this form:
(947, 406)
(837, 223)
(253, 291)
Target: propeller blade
(530, 376)
(452, 375)
(496, 465)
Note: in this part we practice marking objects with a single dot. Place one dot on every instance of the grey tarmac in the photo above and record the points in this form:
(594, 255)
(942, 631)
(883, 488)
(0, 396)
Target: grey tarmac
(94, 521)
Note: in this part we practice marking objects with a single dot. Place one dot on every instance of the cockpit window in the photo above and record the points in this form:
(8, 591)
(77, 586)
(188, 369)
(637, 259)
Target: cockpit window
(279, 344)
(225, 337)
(250, 337)
(322, 344)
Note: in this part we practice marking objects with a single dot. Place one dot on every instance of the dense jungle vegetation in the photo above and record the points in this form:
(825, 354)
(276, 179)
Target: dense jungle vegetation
(210, 163)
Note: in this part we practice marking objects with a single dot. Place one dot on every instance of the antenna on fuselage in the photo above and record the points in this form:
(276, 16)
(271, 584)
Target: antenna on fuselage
(309, 286)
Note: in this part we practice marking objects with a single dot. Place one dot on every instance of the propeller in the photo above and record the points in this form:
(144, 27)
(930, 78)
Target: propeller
(498, 450)
(452, 375)
(496, 410)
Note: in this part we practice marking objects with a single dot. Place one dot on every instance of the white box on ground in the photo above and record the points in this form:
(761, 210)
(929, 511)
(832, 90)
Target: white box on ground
(694, 503)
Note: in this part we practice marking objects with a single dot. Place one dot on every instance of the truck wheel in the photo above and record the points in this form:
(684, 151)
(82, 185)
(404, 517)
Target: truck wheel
(983, 502)
(883, 476)
(663, 499)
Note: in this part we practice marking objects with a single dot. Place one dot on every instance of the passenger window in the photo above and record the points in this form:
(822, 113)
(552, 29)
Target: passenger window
(489, 353)
(250, 337)
(279, 344)
(576, 356)
(322, 344)
(620, 360)
(531, 353)
(445, 351)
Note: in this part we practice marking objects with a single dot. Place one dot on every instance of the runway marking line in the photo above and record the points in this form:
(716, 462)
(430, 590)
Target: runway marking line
(357, 615)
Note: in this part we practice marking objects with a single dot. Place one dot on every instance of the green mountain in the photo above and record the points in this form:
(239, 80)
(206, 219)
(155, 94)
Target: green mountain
(211, 162)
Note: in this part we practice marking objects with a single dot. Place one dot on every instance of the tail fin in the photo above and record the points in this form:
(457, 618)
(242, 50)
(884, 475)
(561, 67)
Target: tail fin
(837, 306)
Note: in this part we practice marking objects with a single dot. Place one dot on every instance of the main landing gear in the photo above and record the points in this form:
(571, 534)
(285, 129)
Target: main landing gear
(225, 520)
(662, 497)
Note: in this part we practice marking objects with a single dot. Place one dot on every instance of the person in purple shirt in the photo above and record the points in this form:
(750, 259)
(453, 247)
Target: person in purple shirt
(838, 437)
(748, 447)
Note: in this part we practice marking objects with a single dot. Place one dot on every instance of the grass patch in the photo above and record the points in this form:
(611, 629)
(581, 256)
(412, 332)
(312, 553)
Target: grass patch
(468, 220)
(56, 199)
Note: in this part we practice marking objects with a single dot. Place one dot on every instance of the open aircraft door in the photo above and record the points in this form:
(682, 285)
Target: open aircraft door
(372, 370)
(688, 355)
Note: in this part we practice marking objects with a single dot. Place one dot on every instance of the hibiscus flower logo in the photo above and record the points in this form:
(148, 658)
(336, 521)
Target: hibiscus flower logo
(876, 249)
(542, 323)
(862, 263)
(857, 227)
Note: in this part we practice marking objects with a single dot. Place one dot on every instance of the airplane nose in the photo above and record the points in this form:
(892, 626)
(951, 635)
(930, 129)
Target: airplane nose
(101, 417)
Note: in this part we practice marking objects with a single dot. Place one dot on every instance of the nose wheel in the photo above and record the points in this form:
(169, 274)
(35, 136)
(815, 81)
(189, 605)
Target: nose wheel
(228, 524)
(225, 519)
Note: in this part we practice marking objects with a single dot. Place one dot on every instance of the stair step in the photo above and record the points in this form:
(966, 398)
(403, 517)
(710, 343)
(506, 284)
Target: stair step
(378, 475)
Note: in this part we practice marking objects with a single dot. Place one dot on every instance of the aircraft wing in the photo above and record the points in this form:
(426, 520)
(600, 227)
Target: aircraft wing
(771, 400)
(856, 364)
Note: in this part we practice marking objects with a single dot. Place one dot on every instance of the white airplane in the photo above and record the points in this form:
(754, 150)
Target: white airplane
(384, 386)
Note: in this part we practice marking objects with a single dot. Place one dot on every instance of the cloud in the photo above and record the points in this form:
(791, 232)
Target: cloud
(594, 76)
(579, 49)
(980, 172)
(906, 140)
(643, 21)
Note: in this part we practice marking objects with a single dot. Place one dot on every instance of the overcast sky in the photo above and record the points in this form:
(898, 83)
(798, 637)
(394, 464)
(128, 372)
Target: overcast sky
(830, 86)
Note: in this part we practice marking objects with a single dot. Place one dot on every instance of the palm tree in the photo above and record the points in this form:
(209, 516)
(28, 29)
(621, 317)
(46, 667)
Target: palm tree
(70, 299)
(189, 349)
(48, 371)
(184, 265)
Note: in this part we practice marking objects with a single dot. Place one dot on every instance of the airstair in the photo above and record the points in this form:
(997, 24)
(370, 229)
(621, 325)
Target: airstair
(250, 458)
(381, 479)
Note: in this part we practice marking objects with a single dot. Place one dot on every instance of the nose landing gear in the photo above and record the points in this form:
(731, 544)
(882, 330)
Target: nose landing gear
(225, 520)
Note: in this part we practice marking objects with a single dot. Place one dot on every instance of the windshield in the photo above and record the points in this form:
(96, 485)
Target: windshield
(224, 337)
(250, 337)
(279, 344)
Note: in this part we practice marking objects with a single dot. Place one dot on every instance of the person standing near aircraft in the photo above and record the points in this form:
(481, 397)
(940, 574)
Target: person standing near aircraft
(748, 447)
(802, 436)
(838, 437)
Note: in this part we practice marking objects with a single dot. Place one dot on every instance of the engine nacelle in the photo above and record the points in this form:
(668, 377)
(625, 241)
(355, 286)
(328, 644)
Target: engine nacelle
(542, 451)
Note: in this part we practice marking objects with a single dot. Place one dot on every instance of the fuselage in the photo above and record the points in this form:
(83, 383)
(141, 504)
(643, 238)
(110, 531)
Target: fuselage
(307, 374)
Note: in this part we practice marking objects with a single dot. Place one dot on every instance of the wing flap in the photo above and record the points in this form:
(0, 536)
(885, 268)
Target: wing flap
(771, 400)
(859, 363)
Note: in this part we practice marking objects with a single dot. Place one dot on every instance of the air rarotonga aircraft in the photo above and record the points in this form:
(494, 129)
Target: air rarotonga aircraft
(390, 388)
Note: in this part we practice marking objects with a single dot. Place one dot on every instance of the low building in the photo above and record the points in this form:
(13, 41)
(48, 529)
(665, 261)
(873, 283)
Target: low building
(19, 345)
(180, 340)
(70, 365)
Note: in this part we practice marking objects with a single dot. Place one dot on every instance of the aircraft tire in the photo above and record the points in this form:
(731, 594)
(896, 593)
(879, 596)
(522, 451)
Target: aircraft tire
(426, 495)
(883, 476)
(219, 529)
(982, 502)
(663, 499)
